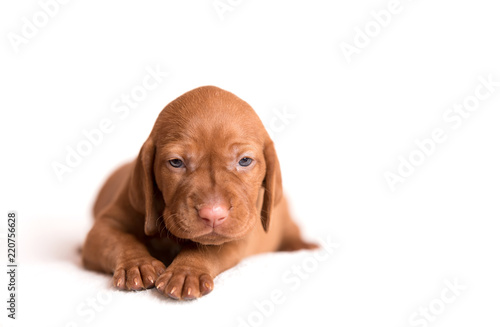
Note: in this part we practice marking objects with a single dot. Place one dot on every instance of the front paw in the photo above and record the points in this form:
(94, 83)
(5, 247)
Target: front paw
(184, 283)
(137, 274)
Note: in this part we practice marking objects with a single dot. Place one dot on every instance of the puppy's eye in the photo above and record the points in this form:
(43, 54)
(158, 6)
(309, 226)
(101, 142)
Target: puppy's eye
(245, 162)
(176, 163)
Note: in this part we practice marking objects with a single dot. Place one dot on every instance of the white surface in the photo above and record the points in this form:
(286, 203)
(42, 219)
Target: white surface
(352, 122)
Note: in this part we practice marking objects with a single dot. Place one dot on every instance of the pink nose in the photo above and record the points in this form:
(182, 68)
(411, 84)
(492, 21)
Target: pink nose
(213, 215)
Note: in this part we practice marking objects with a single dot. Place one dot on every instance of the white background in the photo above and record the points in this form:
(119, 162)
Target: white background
(352, 122)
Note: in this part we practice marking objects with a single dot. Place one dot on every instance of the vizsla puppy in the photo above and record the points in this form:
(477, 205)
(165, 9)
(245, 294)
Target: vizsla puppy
(204, 193)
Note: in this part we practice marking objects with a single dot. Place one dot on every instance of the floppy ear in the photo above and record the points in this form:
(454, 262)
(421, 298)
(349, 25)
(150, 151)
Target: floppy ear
(143, 192)
(273, 189)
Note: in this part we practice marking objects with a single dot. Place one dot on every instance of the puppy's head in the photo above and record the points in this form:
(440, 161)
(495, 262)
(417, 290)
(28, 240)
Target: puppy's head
(200, 171)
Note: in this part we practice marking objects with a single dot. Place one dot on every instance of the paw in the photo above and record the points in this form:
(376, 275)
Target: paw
(137, 274)
(184, 283)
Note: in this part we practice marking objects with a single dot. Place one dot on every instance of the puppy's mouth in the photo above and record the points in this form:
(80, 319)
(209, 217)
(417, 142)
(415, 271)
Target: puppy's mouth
(206, 235)
(216, 235)
(211, 238)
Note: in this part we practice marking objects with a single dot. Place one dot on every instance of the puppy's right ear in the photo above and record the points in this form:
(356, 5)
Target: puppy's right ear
(143, 192)
(273, 189)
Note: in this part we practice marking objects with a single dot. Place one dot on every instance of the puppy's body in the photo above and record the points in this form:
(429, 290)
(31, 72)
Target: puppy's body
(204, 193)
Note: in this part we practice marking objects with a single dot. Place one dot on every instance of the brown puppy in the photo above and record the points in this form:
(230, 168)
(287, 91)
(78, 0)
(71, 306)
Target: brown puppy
(204, 192)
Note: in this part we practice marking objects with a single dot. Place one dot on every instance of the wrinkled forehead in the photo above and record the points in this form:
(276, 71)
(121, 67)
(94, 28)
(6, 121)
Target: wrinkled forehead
(210, 118)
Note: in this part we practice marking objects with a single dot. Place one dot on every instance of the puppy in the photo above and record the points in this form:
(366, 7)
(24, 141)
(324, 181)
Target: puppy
(204, 193)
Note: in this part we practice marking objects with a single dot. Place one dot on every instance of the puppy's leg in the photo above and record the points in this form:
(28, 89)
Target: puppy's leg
(110, 249)
(292, 240)
(192, 272)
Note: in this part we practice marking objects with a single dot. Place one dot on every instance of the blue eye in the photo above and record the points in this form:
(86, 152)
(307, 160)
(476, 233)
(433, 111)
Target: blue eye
(245, 162)
(176, 163)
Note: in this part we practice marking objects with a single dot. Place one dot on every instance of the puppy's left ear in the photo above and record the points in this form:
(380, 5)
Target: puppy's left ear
(273, 190)
(143, 192)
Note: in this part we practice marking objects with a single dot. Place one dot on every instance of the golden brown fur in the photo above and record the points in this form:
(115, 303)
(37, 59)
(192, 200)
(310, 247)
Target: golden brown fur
(177, 227)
